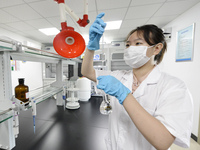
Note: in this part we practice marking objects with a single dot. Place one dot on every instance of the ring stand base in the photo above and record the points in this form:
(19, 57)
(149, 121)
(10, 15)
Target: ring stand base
(72, 105)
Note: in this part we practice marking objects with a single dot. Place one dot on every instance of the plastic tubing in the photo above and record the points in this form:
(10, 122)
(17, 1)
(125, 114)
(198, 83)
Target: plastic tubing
(63, 17)
(71, 12)
(86, 7)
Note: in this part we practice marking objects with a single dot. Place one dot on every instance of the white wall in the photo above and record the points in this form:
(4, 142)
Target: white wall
(189, 71)
(31, 71)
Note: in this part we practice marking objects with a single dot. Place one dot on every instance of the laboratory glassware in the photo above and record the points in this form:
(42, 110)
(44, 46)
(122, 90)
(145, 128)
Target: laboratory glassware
(105, 107)
(22, 91)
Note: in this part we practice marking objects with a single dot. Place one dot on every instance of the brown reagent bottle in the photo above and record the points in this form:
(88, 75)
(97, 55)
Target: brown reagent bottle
(22, 91)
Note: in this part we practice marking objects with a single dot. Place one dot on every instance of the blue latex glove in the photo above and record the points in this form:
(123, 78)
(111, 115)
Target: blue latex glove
(95, 32)
(113, 87)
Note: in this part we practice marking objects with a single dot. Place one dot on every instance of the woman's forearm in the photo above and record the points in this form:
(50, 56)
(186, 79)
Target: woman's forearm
(151, 128)
(87, 69)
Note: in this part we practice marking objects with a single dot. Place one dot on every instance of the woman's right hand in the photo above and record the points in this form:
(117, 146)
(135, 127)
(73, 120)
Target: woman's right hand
(96, 31)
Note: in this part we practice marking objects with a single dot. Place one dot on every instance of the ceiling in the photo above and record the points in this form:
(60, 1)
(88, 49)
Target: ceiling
(25, 17)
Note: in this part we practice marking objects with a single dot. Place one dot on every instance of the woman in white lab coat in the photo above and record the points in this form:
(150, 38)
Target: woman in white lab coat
(151, 109)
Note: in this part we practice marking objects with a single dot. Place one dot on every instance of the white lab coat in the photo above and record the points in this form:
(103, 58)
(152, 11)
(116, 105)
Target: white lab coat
(163, 96)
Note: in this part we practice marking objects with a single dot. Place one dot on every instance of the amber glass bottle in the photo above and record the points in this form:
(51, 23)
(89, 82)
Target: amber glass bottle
(21, 91)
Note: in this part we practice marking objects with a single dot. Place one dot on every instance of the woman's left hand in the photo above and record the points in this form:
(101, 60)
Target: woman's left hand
(113, 87)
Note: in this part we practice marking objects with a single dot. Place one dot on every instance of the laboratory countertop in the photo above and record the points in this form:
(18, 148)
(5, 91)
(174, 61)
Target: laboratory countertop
(56, 129)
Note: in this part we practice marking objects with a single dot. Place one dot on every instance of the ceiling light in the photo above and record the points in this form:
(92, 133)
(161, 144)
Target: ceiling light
(49, 31)
(113, 25)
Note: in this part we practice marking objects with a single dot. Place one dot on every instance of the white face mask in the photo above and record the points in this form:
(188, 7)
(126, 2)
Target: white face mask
(135, 56)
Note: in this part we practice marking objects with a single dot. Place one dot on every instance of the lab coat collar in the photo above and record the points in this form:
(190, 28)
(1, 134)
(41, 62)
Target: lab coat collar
(127, 79)
(128, 75)
(152, 78)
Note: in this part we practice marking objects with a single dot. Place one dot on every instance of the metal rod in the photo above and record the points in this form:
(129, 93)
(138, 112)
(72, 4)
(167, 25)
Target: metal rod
(5, 111)
(29, 47)
(6, 41)
(36, 49)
